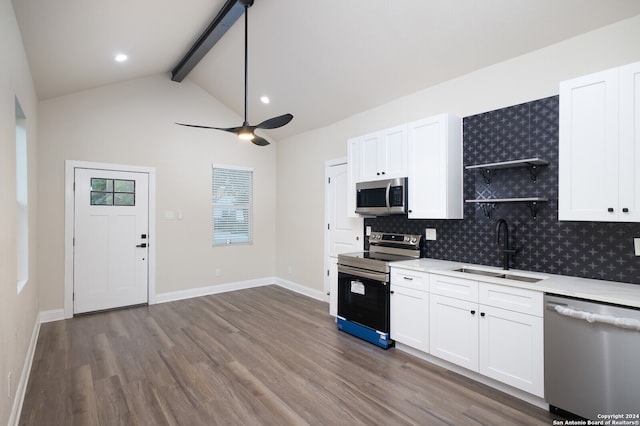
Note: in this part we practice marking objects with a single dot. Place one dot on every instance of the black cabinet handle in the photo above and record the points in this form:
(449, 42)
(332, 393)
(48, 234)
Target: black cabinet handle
(625, 210)
(143, 245)
(473, 312)
(391, 292)
(610, 209)
(482, 314)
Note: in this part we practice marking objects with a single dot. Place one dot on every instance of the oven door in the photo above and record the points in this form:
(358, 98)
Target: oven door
(363, 297)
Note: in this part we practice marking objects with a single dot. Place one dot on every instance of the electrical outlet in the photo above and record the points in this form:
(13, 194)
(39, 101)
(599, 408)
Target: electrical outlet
(430, 234)
(636, 244)
(218, 272)
(368, 231)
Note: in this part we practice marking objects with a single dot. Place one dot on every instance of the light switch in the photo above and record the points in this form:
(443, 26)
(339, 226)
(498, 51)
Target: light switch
(636, 244)
(168, 215)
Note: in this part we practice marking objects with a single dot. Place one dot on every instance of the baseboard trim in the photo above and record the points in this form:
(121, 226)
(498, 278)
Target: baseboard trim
(299, 288)
(240, 285)
(21, 390)
(52, 315)
(212, 289)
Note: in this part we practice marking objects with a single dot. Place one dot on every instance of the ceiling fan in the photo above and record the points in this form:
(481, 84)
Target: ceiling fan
(246, 131)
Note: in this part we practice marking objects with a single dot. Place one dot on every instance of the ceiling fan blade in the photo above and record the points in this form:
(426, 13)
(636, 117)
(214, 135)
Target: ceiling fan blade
(260, 141)
(275, 122)
(224, 129)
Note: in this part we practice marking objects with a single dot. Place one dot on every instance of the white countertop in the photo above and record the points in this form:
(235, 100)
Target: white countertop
(598, 290)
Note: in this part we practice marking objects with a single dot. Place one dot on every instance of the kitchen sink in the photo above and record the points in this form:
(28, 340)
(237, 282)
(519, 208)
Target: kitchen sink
(503, 275)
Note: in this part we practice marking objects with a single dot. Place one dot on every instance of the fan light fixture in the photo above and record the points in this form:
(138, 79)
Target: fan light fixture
(246, 135)
(246, 131)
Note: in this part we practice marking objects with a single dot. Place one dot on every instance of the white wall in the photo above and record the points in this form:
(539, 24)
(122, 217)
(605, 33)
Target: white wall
(18, 312)
(132, 123)
(300, 219)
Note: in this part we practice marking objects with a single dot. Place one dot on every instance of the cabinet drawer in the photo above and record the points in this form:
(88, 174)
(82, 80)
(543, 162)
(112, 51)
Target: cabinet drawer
(410, 279)
(511, 298)
(458, 288)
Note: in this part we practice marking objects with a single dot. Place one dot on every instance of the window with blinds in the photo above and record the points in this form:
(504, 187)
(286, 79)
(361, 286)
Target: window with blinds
(232, 196)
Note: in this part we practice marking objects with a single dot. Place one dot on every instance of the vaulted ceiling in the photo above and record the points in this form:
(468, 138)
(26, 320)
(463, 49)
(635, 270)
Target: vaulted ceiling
(321, 60)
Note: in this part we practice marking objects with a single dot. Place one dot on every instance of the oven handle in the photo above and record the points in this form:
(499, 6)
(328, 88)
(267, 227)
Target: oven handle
(378, 276)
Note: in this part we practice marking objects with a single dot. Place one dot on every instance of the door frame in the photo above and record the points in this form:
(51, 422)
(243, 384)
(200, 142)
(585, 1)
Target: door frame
(69, 220)
(328, 164)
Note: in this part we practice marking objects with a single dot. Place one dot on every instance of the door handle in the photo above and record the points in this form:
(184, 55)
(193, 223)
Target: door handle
(143, 245)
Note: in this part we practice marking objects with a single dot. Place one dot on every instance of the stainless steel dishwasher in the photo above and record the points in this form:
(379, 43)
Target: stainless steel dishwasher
(592, 358)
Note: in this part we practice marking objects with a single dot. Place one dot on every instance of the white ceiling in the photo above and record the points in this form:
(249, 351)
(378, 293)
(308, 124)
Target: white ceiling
(321, 60)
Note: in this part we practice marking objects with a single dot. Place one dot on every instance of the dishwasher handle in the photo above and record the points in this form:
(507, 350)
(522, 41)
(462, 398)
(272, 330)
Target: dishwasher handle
(590, 317)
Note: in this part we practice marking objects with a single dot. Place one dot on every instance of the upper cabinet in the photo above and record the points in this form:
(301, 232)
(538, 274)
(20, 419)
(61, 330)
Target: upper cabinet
(435, 168)
(428, 152)
(382, 155)
(599, 152)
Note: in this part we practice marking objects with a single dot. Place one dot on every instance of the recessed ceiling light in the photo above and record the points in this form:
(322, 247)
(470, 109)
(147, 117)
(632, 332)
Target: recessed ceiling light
(121, 57)
(265, 99)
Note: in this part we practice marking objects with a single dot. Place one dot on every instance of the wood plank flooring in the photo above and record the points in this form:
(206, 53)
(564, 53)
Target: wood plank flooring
(262, 356)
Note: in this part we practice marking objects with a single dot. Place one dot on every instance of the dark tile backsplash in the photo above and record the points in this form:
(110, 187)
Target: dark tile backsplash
(584, 249)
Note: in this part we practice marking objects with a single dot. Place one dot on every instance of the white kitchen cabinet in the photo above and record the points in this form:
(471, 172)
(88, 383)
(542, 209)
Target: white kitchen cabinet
(453, 320)
(434, 147)
(491, 329)
(512, 348)
(453, 329)
(410, 308)
(599, 151)
(382, 154)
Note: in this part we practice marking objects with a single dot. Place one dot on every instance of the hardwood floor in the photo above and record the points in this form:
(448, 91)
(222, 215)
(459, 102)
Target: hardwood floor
(258, 356)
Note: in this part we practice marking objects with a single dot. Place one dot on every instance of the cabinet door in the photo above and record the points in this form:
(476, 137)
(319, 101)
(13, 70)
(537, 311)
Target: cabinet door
(453, 330)
(630, 142)
(588, 170)
(393, 152)
(511, 348)
(434, 168)
(410, 317)
(370, 157)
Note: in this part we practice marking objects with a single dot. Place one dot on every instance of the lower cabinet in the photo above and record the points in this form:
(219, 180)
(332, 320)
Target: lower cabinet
(454, 330)
(410, 309)
(511, 348)
(491, 329)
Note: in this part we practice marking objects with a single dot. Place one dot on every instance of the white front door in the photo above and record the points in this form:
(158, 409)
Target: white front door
(110, 239)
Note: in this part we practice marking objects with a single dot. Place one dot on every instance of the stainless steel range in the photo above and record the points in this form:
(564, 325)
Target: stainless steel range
(363, 285)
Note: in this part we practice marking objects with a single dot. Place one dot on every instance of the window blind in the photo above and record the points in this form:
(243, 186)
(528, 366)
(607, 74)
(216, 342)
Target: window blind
(232, 196)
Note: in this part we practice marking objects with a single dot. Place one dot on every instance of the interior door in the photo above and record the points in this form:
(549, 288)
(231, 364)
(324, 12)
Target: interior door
(110, 239)
(344, 233)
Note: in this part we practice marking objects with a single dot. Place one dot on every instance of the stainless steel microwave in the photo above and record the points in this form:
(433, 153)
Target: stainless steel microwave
(382, 197)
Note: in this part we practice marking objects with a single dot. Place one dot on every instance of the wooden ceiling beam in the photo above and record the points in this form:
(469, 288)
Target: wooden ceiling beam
(228, 15)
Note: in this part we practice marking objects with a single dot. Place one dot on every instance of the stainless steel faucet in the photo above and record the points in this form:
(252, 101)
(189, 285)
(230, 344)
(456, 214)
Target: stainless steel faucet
(507, 251)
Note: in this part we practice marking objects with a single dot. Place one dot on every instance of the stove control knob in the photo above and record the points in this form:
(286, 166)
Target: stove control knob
(406, 238)
(413, 240)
